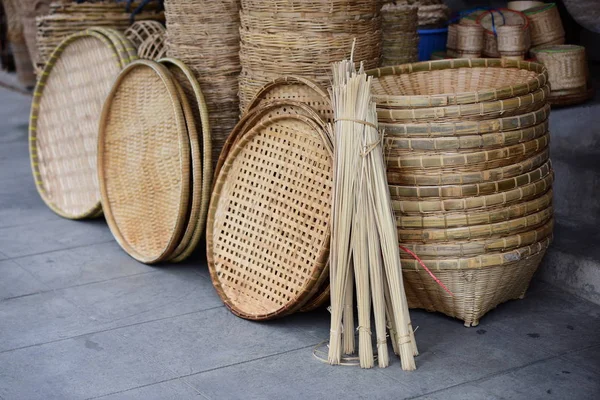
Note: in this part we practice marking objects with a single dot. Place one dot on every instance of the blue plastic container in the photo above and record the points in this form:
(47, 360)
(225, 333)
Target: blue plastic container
(431, 40)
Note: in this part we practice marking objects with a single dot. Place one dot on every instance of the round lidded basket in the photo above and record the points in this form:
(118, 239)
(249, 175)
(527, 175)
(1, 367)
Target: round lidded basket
(545, 24)
(64, 119)
(469, 41)
(566, 64)
(268, 222)
(513, 41)
(144, 162)
(452, 82)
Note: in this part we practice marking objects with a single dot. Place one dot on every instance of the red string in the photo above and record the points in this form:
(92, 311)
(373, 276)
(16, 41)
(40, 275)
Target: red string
(416, 257)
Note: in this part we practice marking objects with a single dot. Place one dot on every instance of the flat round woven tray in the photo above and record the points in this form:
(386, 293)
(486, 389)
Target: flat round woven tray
(144, 162)
(268, 221)
(63, 127)
(201, 157)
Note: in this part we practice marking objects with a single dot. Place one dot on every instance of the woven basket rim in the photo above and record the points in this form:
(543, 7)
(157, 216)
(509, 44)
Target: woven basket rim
(465, 97)
(205, 156)
(184, 149)
(501, 10)
(539, 9)
(95, 209)
(557, 48)
(311, 286)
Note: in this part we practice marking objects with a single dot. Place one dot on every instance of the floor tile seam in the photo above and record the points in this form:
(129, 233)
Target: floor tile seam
(108, 330)
(56, 250)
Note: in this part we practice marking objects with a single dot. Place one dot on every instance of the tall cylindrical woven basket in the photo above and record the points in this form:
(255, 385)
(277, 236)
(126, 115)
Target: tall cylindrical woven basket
(546, 25)
(469, 176)
(205, 36)
(400, 38)
(469, 41)
(513, 41)
(294, 37)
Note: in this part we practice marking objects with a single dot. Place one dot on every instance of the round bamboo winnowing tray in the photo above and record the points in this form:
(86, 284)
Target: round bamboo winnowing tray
(64, 120)
(144, 162)
(455, 82)
(268, 221)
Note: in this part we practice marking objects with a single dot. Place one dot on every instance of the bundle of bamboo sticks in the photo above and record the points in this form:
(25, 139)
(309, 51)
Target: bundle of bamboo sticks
(364, 244)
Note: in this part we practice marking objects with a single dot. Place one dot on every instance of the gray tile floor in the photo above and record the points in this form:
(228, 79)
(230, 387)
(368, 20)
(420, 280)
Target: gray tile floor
(79, 319)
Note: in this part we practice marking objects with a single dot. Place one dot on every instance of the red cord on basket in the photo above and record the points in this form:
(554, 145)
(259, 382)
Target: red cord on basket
(416, 257)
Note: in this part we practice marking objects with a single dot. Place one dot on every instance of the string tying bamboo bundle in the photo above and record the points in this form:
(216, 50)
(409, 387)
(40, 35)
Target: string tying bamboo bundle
(364, 251)
(65, 18)
(293, 37)
(400, 38)
(205, 36)
(467, 149)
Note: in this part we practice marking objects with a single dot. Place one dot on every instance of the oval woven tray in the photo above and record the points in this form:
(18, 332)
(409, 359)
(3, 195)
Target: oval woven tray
(480, 246)
(473, 217)
(451, 177)
(63, 127)
(522, 193)
(456, 81)
(268, 221)
(144, 162)
(469, 190)
(466, 127)
(201, 157)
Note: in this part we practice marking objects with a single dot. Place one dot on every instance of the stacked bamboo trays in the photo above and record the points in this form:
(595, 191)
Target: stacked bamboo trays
(268, 222)
(294, 37)
(546, 25)
(400, 37)
(154, 172)
(65, 113)
(466, 142)
(568, 73)
(64, 18)
(149, 37)
(205, 36)
(17, 42)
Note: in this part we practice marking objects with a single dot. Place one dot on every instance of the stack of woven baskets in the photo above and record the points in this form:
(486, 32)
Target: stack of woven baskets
(65, 18)
(400, 38)
(432, 13)
(205, 36)
(294, 37)
(467, 151)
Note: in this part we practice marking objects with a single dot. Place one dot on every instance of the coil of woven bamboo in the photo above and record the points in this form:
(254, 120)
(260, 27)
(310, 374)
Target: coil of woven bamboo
(303, 38)
(65, 18)
(472, 195)
(400, 38)
(205, 36)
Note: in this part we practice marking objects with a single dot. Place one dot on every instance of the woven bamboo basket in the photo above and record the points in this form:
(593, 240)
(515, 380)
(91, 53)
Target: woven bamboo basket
(513, 41)
(452, 41)
(471, 186)
(566, 64)
(546, 25)
(17, 42)
(469, 41)
(31, 10)
(139, 31)
(303, 38)
(493, 19)
(433, 15)
(254, 262)
(65, 18)
(481, 282)
(205, 36)
(400, 38)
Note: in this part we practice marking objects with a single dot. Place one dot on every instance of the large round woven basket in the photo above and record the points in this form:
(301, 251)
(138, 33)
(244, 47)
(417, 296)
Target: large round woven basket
(303, 38)
(64, 122)
(467, 146)
(268, 241)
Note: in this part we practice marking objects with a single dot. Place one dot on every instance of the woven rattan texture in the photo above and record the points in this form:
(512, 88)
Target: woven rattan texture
(400, 38)
(546, 25)
(64, 124)
(145, 163)
(269, 219)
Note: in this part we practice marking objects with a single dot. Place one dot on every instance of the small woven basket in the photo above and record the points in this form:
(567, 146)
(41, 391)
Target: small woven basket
(469, 41)
(546, 25)
(493, 19)
(513, 41)
(566, 64)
